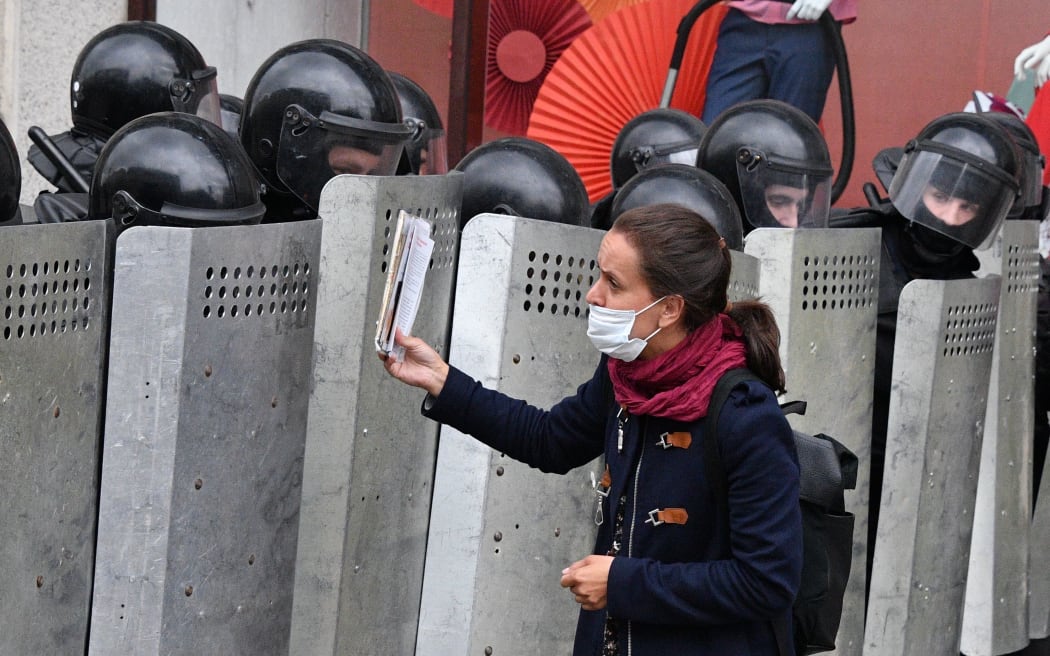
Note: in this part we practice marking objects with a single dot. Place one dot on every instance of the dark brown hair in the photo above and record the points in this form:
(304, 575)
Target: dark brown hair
(682, 255)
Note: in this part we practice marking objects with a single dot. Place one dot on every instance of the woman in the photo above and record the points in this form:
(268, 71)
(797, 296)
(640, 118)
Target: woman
(667, 577)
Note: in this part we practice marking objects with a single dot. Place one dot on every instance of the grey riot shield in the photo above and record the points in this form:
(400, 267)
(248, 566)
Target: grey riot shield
(743, 281)
(1039, 563)
(941, 363)
(54, 316)
(369, 467)
(823, 288)
(995, 620)
(501, 532)
(205, 426)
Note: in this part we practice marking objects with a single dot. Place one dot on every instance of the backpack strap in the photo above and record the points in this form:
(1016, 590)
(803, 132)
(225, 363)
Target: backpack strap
(716, 475)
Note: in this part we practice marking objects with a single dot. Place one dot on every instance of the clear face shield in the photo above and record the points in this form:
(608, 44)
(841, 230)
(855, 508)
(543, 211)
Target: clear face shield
(231, 122)
(1032, 185)
(681, 152)
(782, 193)
(953, 193)
(315, 149)
(198, 95)
(427, 150)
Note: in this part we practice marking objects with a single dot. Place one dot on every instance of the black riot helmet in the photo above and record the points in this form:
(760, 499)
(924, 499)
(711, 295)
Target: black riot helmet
(137, 68)
(1032, 164)
(316, 109)
(689, 187)
(958, 178)
(426, 153)
(10, 175)
(522, 177)
(174, 169)
(658, 136)
(775, 162)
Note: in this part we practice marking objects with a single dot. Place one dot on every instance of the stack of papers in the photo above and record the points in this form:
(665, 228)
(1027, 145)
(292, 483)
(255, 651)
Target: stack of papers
(409, 261)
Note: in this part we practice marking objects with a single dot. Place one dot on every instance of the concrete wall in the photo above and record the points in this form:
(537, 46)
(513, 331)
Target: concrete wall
(38, 45)
(236, 36)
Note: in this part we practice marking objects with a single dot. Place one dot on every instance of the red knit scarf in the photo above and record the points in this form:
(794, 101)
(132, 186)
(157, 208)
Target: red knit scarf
(678, 384)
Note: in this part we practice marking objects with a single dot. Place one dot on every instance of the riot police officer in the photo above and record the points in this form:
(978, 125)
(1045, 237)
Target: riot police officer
(125, 71)
(657, 136)
(313, 110)
(522, 177)
(955, 184)
(174, 169)
(775, 162)
(690, 187)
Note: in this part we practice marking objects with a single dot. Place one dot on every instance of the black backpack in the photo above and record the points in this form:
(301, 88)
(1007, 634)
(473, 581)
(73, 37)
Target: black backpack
(827, 469)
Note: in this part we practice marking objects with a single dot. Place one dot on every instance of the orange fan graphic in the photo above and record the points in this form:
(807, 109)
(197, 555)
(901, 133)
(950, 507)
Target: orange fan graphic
(526, 38)
(439, 7)
(599, 9)
(615, 71)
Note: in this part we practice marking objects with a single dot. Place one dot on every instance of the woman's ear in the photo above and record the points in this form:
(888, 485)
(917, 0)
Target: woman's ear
(673, 311)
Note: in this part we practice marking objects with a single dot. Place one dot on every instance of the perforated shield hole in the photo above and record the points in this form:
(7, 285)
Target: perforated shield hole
(556, 284)
(445, 233)
(1021, 268)
(48, 298)
(839, 282)
(969, 330)
(444, 230)
(250, 292)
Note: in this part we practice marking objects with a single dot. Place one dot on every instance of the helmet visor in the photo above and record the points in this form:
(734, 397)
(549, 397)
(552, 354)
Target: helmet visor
(231, 122)
(682, 152)
(313, 150)
(779, 193)
(127, 211)
(427, 150)
(960, 199)
(433, 159)
(1032, 191)
(198, 95)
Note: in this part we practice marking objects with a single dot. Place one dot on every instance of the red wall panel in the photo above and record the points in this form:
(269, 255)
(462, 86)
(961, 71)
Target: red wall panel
(911, 60)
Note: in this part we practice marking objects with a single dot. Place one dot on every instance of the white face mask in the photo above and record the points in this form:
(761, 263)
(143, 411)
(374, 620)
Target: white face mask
(610, 331)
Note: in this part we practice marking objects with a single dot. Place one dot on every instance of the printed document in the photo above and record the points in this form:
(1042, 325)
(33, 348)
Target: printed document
(409, 261)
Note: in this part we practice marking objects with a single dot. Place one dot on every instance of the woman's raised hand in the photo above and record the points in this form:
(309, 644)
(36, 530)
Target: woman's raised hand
(421, 367)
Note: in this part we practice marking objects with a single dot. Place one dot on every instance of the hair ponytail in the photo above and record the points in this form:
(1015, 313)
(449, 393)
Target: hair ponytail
(763, 341)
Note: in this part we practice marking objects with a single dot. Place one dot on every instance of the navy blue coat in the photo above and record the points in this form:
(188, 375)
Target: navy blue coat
(682, 589)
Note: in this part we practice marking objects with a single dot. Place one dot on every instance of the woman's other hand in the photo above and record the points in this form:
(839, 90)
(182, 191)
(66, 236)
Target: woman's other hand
(588, 580)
